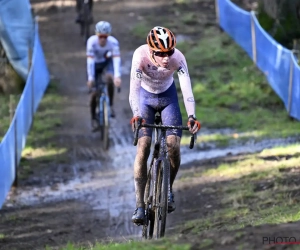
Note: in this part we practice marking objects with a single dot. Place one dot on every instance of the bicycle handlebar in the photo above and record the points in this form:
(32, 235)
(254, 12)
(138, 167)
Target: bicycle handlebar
(140, 125)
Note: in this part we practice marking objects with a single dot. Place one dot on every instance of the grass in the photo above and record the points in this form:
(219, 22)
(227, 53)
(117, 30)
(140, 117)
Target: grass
(5, 112)
(258, 166)
(255, 190)
(231, 93)
(159, 245)
(41, 144)
(140, 29)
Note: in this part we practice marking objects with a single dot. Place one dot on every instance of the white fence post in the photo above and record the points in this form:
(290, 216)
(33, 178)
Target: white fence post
(253, 37)
(291, 84)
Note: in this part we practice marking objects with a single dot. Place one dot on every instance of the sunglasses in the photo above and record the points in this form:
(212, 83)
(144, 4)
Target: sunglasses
(103, 36)
(163, 54)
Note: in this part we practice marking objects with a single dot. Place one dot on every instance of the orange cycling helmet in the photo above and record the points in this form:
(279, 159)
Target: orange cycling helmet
(161, 39)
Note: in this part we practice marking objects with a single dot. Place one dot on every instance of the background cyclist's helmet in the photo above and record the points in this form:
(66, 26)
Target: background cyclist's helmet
(103, 27)
(161, 39)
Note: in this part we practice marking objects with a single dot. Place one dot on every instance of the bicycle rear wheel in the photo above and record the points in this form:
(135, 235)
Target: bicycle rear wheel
(161, 202)
(105, 127)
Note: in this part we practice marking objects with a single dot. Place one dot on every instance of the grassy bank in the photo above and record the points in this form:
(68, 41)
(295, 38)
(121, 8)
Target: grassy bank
(159, 245)
(248, 191)
(230, 92)
(41, 144)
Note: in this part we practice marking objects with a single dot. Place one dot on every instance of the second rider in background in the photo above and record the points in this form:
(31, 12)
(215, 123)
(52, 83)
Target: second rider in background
(103, 53)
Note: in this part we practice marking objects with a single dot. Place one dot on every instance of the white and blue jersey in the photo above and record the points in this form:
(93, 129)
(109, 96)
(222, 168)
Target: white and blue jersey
(97, 54)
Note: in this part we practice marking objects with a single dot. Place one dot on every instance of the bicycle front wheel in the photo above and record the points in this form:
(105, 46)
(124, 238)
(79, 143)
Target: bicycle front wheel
(161, 203)
(149, 220)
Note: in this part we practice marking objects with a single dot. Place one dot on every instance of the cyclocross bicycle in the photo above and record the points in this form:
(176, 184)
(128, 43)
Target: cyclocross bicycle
(158, 180)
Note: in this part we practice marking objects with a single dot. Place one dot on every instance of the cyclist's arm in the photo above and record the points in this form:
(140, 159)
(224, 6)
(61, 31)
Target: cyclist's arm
(135, 83)
(185, 85)
(116, 59)
(90, 61)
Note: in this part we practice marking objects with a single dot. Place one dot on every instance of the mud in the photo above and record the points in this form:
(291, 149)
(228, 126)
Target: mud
(91, 197)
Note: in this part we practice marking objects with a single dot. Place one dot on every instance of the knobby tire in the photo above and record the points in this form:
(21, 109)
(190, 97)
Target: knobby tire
(147, 232)
(161, 202)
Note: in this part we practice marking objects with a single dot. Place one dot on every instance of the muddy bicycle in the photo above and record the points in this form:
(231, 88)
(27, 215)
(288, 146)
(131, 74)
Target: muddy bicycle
(158, 179)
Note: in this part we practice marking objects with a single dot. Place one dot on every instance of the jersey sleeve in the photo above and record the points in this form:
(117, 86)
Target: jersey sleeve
(185, 84)
(116, 57)
(89, 48)
(90, 60)
(135, 83)
(115, 46)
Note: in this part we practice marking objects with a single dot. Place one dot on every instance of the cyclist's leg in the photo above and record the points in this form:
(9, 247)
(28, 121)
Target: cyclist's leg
(140, 163)
(95, 93)
(110, 88)
(173, 138)
(93, 104)
(171, 115)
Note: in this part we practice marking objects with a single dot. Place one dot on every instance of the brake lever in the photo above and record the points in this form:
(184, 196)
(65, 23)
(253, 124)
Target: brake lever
(193, 136)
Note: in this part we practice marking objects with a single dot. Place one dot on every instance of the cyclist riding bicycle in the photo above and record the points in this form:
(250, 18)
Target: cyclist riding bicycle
(79, 10)
(103, 53)
(152, 89)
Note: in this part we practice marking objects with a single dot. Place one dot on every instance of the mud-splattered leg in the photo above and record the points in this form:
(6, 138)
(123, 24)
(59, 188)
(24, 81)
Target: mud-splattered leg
(173, 144)
(140, 169)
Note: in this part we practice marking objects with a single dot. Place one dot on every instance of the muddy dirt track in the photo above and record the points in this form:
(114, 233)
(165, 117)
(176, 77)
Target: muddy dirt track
(91, 196)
